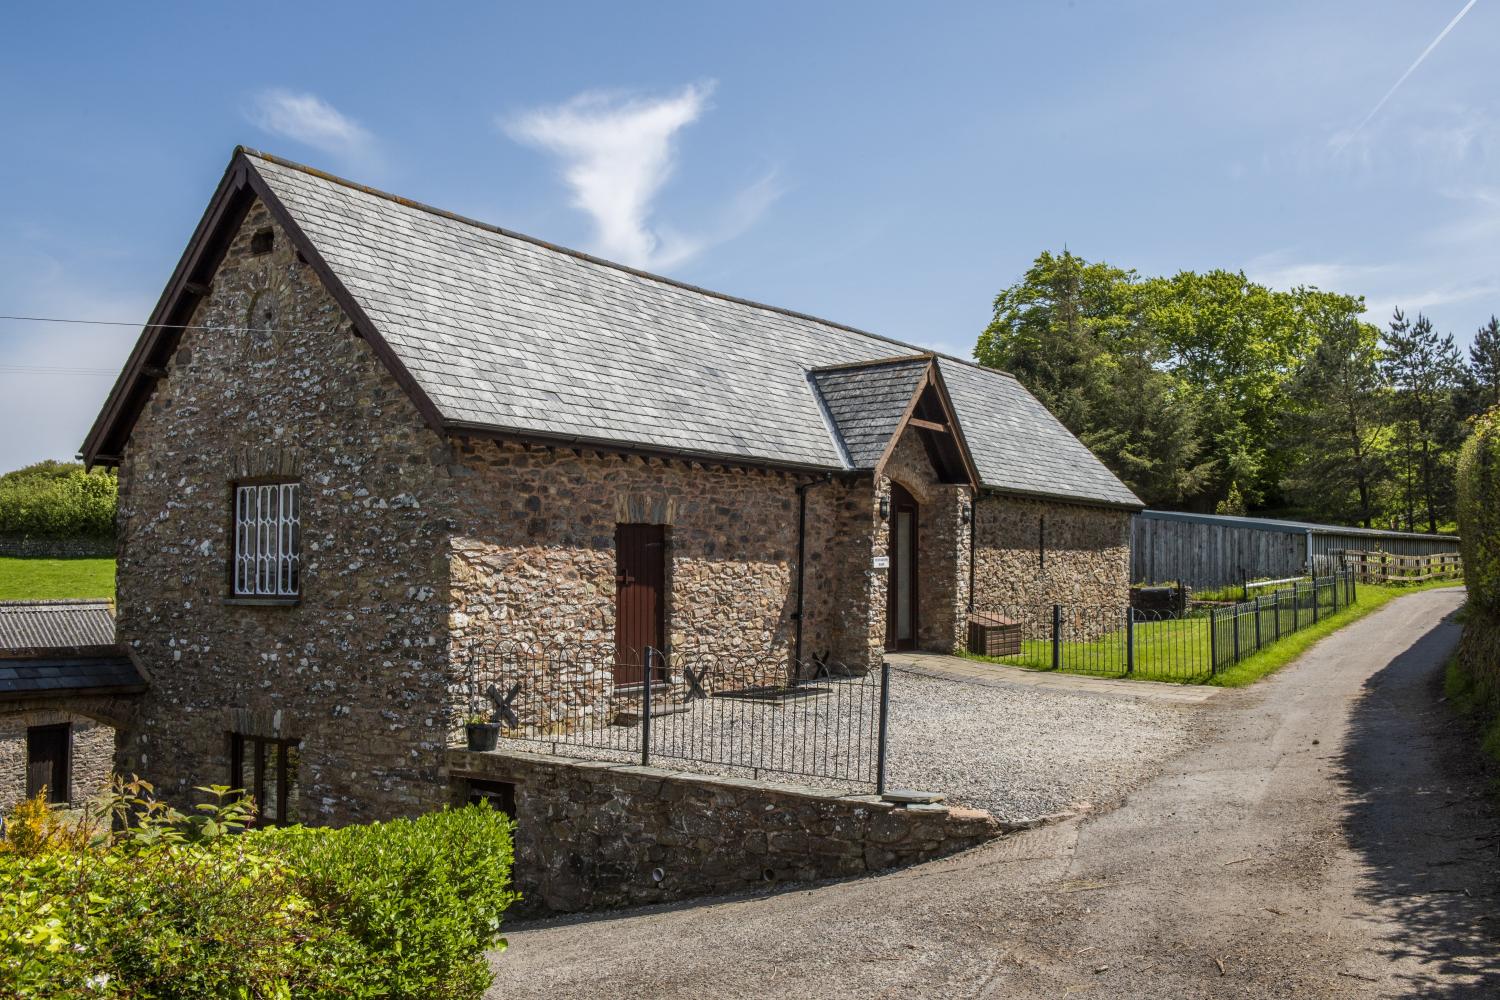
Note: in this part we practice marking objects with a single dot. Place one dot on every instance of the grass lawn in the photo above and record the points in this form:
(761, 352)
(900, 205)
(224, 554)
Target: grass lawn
(1178, 650)
(36, 579)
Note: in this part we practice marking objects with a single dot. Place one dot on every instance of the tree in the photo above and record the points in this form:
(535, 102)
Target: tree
(1423, 370)
(1484, 363)
(1340, 396)
(1239, 343)
(1070, 331)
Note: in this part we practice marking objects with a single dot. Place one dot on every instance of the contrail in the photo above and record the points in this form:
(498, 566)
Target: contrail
(1409, 70)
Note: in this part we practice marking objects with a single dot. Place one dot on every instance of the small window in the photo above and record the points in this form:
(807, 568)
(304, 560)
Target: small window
(48, 755)
(262, 241)
(267, 769)
(267, 540)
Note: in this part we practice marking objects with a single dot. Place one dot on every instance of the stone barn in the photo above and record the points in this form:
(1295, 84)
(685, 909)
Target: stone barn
(362, 441)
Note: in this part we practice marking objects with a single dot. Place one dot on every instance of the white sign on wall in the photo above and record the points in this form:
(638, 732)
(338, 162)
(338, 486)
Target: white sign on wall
(882, 562)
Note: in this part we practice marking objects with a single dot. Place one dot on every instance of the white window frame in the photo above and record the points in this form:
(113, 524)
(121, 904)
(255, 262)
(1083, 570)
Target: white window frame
(267, 540)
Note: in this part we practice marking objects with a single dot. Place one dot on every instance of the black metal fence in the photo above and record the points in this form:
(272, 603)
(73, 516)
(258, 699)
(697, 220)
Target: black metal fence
(749, 715)
(1121, 641)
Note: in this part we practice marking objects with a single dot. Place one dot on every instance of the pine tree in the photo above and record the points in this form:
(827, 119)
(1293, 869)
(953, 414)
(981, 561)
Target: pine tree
(1424, 369)
(1484, 362)
(1340, 392)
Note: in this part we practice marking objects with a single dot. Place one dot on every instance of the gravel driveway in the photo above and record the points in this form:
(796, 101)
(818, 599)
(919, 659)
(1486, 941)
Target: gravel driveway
(1024, 752)
(1332, 838)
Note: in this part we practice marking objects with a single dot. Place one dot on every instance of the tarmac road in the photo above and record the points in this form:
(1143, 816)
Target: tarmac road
(1332, 838)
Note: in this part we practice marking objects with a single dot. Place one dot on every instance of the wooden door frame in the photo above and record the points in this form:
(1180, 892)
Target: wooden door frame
(660, 626)
(64, 765)
(902, 499)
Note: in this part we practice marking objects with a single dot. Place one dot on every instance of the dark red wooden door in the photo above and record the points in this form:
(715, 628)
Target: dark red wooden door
(47, 761)
(640, 597)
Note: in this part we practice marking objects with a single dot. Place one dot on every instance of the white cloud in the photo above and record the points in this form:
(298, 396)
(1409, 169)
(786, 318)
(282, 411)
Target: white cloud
(308, 119)
(618, 151)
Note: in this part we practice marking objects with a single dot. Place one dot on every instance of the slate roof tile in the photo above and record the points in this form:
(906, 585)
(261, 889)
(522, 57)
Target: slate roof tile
(504, 332)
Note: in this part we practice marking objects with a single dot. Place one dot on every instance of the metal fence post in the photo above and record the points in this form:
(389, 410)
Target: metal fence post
(1276, 603)
(1129, 639)
(1213, 641)
(1334, 587)
(1234, 619)
(1315, 600)
(1056, 636)
(646, 710)
(1257, 623)
(885, 714)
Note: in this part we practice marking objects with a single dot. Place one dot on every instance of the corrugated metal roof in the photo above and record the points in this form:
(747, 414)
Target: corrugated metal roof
(70, 624)
(504, 332)
(1290, 527)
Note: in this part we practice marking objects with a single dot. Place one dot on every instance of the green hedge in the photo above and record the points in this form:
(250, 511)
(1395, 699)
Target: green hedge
(1479, 514)
(58, 500)
(169, 907)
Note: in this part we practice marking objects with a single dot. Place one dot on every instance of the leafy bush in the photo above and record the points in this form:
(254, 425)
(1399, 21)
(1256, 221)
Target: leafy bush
(138, 900)
(1478, 515)
(58, 500)
(421, 898)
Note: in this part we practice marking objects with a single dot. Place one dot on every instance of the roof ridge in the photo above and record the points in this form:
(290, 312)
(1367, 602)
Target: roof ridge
(604, 262)
(76, 602)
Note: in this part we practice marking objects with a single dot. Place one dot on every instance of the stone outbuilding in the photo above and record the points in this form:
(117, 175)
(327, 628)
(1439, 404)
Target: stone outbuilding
(65, 686)
(363, 440)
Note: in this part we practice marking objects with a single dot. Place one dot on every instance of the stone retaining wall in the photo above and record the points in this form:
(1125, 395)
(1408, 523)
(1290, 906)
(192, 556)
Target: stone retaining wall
(18, 547)
(592, 835)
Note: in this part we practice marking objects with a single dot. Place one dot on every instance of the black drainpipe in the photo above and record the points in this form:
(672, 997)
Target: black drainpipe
(802, 556)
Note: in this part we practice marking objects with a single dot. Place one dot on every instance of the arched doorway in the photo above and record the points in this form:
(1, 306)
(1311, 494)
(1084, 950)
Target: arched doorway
(901, 589)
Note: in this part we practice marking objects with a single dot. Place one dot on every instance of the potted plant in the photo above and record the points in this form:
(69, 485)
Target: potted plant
(482, 732)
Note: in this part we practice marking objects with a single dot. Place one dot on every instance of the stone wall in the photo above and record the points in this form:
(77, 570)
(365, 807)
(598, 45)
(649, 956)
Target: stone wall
(844, 591)
(19, 547)
(533, 569)
(93, 753)
(592, 835)
(942, 544)
(1085, 561)
(357, 670)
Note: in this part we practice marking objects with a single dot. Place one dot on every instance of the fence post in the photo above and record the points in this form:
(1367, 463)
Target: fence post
(1257, 623)
(885, 714)
(1234, 621)
(1334, 586)
(646, 710)
(1129, 639)
(1276, 603)
(1213, 641)
(1315, 600)
(1056, 636)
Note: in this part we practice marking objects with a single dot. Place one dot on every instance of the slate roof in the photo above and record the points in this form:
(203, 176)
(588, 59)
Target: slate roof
(865, 403)
(68, 675)
(62, 647)
(500, 332)
(72, 624)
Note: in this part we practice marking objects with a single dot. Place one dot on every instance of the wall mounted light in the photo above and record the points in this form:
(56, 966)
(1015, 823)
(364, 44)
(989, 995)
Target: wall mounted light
(967, 511)
(885, 506)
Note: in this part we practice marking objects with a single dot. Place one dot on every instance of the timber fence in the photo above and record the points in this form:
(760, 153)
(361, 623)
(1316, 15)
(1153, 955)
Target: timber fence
(1387, 567)
(1120, 641)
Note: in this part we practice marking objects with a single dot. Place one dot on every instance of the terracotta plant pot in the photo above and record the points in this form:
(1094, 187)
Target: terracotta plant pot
(482, 735)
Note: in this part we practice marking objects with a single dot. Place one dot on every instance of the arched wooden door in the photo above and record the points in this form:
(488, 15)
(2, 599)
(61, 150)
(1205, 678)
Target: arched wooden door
(901, 589)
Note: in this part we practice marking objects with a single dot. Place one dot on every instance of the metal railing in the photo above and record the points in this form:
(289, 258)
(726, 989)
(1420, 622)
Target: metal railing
(725, 713)
(1120, 641)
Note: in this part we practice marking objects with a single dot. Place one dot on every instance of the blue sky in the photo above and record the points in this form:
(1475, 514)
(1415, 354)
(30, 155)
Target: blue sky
(886, 165)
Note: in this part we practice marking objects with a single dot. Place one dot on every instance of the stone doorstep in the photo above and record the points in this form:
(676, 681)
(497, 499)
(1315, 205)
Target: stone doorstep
(630, 717)
(910, 796)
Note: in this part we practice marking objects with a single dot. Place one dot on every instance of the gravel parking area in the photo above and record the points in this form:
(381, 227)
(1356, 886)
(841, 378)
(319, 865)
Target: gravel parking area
(1013, 743)
(1025, 752)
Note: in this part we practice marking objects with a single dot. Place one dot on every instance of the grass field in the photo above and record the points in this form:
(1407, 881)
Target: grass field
(36, 579)
(1178, 650)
